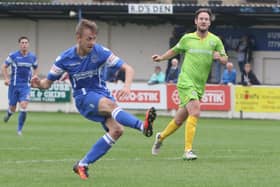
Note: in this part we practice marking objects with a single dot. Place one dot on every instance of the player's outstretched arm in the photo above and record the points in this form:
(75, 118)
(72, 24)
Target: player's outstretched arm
(36, 82)
(167, 55)
(129, 74)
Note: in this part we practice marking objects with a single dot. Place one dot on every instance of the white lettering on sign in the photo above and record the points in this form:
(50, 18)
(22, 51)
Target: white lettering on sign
(273, 35)
(273, 44)
(150, 8)
(213, 97)
(139, 96)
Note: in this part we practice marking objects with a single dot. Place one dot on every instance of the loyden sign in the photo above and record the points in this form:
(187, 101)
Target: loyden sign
(57, 93)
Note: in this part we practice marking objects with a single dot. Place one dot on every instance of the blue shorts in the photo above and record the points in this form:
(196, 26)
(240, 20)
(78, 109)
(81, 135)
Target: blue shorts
(18, 94)
(87, 105)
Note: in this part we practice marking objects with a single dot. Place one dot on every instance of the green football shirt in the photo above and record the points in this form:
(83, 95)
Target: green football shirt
(198, 59)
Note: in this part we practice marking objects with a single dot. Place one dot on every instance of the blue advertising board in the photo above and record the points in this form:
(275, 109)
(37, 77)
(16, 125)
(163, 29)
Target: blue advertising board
(266, 39)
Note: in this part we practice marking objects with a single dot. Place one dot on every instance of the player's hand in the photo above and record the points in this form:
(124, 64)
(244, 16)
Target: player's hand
(35, 82)
(7, 82)
(123, 92)
(156, 58)
(216, 55)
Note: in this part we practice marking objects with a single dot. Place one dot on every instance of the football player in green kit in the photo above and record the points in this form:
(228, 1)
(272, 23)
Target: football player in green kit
(200, 48)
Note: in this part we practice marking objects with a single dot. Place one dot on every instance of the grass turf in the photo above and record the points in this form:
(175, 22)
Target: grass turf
(231, 153)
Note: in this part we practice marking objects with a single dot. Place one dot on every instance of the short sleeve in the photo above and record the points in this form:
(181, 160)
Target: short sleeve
(180, 46)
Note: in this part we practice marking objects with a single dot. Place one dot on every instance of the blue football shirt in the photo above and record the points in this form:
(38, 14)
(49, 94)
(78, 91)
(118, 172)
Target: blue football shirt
(85, 72)
(21, 67)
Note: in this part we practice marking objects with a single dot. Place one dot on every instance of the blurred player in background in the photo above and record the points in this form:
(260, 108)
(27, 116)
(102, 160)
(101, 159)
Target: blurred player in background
(84, 64)
(21, 62)
(200, 48)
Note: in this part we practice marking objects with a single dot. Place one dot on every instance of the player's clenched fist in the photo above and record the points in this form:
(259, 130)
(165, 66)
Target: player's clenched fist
(156, 58)
(35, 81)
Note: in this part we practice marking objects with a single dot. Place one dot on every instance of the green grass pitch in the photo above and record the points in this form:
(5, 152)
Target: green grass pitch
(231, 152)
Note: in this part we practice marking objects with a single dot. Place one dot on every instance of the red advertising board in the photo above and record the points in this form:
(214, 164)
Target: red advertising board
(142, 96)
(216, 97)
(139, 96)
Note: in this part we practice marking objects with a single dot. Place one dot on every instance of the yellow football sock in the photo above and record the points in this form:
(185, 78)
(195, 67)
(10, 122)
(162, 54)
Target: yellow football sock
(190, 132)
(171, 127)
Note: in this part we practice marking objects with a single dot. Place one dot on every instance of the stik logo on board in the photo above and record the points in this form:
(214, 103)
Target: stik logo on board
(139, 96)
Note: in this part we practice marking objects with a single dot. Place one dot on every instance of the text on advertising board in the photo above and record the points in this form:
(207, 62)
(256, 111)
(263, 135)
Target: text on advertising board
(139, 96)
(215, 98)
(150, 9)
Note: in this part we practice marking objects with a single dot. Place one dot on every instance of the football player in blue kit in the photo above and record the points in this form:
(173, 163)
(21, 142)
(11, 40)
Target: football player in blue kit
(23, 64)
(85, 63)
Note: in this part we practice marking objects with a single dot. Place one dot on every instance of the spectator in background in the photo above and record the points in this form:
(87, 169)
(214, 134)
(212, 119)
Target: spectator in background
(174, 71)
(229, 75)
(157, 77)
(244, 52)
(248, 77)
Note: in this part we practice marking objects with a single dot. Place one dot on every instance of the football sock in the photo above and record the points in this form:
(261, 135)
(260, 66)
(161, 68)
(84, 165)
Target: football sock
(98, 150)
(171, 127)
(21, 119)
(190, 132)
(127, 119)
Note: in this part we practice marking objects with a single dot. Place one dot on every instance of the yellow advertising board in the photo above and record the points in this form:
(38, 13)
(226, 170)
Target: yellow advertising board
(257, 99)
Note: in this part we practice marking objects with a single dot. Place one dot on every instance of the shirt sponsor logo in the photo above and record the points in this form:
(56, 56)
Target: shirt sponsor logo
(201, 51)
(85, 74)
(75, 64)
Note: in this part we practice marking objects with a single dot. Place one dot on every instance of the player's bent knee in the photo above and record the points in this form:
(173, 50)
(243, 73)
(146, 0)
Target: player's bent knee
(23, 105)
(117, 132)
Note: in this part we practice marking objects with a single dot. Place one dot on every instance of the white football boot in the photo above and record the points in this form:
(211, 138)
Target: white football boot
(157, 145)
(189, 155)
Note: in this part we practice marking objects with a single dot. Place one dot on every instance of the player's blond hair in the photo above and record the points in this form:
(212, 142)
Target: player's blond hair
(86, 24)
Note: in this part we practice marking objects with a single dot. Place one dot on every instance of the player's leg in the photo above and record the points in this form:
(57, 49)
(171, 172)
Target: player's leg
(88, 105)
(23, 103)
(172, 126)
(108, 107)
(96, 107)
(101, 147)
(194, 111)
(13, 98)
(22, 116)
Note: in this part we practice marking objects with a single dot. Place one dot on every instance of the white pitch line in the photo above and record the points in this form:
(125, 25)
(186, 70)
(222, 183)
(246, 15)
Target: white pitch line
(72, 160)
(19, 148)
